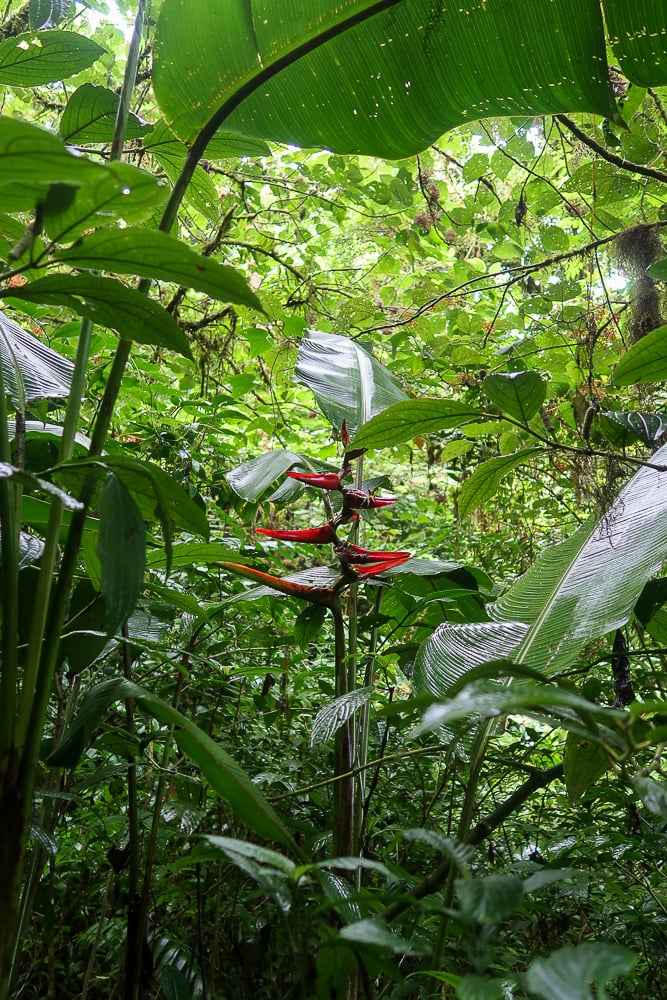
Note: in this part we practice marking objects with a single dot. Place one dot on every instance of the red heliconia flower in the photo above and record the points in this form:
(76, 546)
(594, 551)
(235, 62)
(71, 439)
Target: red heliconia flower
(356, 555)
(314, 595)
(373, 569)
(358, 500)
(322, 480)
(323, 535)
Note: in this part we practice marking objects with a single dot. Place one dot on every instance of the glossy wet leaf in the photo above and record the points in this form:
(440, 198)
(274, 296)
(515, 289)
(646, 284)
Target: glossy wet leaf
(31, 370)
(348, 383)
(47, 13)
(331, 717)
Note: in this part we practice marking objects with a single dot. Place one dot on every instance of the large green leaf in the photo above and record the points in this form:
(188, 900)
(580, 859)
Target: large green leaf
(47, 13)
(36, 58)
(587, 586)
(574, 593)
(406, 420)
(220, 770)
(30, 369)
(153, 254)
(252, 479)
(120, 191)
(108, 302)
(389, 78)
(637, 34)
(32, 159)
(347, 382)
(518, 394)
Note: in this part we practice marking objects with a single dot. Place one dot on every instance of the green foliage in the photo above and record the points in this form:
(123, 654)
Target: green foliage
(446, 754)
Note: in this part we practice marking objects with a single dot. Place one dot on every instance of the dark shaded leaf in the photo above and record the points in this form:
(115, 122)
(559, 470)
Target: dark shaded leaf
(517, 394)
(121, 548)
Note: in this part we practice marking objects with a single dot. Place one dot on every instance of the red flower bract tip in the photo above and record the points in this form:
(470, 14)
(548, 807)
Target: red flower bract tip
(374, 569)
(315, 536)
(322, 480)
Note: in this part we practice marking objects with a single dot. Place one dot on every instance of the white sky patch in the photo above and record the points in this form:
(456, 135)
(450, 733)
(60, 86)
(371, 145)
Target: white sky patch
(124, 23)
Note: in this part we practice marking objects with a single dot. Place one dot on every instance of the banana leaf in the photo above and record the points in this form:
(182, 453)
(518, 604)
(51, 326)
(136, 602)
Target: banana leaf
(574, 593)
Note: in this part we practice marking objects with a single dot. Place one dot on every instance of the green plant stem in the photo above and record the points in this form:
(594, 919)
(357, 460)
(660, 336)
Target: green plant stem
(52, 538)
(344, 788)
(9, 552)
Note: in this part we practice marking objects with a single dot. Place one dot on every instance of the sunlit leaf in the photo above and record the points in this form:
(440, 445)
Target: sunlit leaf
(31, 60)
(406, 420)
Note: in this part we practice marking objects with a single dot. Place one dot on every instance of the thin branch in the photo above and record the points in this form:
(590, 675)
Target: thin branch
(606, 154)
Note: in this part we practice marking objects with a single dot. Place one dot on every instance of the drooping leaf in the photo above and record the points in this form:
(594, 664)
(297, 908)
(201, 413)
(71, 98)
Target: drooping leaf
(374, 933)
(567, 974)
(406, 420)
(154, 254)
(121, 548)
(30, 369)
(39, 485)
(32, 159)
(110, 303)
(174, 983)
(477, 702)
(90, 116)
(391, 80)
(347, 382)
(645, 361)
(331, 717)
(517, 394)
(653, 794)
(34, 59)
(453, 650)
(645, 427)
(587, 586)
(220, 770)
(252, 479)
(157, 494)
(486, 479)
